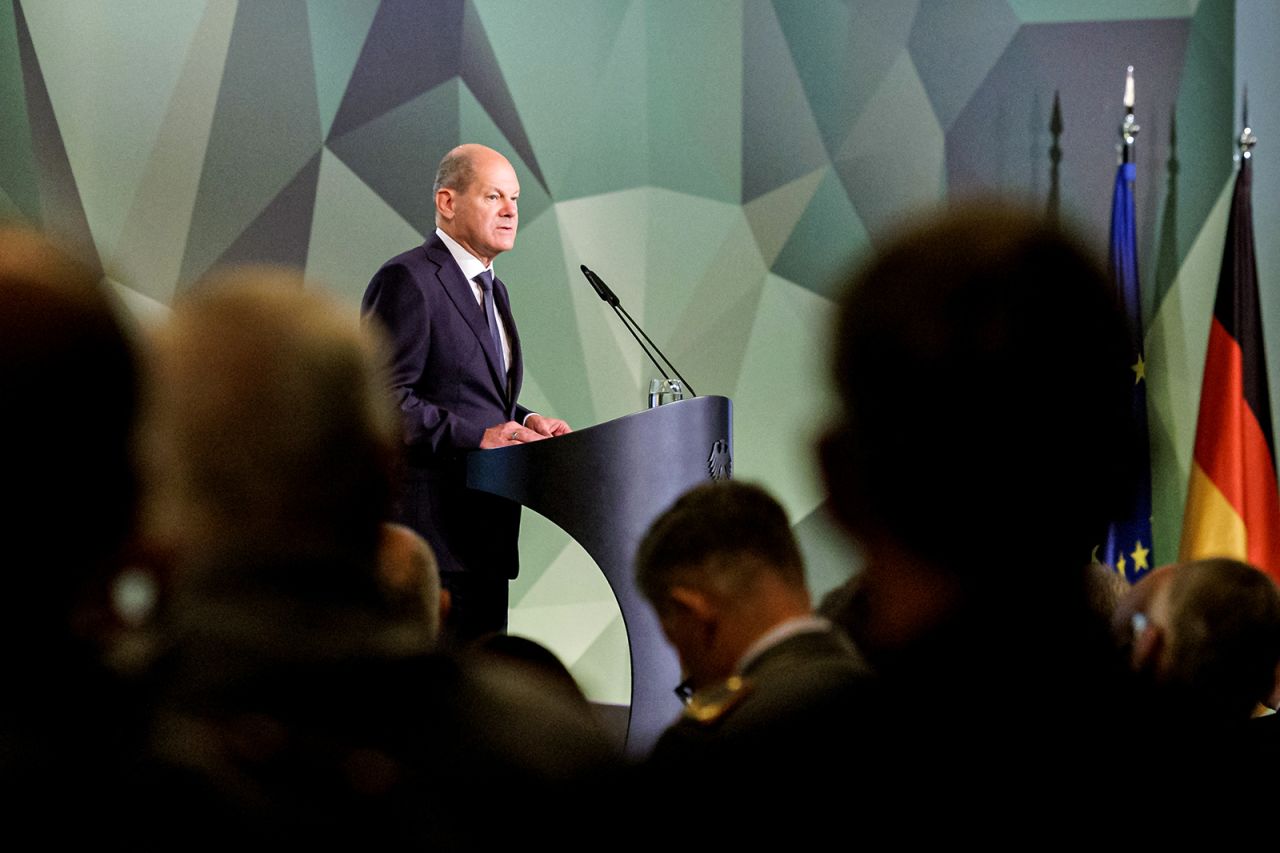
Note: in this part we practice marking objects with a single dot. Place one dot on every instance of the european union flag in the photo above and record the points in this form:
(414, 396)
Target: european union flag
(1127, 548)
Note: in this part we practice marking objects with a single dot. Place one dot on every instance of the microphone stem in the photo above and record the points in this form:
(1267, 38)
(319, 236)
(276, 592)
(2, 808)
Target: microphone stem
(659, 351)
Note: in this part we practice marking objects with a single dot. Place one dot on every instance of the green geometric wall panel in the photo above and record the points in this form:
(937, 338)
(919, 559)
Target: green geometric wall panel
(830, 559)
(109, 97)
(1058, 12)
(707, 333)
(17, 157)
(396, 153)
(279, 234)
(148, 254)
(1207, 122)
(476, 124)
(1177, 339)
(898, 110)
(61, 212)
(337, 32)
(826, 241)
(604, 668)
(695, 131)
(841, 52)
(265, 129)
(954, 45)
(780, 137)
(781, 401)
(353, 231)
(609, 148)
(544, 297)
(554, 75)
(773, 216)
(565, 602)
(717, 260)
(608, 233)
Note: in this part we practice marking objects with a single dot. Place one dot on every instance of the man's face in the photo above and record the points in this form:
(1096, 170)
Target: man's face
(482, 217)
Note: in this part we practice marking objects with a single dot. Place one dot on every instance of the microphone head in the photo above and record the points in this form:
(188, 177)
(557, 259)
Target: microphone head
(596, 284)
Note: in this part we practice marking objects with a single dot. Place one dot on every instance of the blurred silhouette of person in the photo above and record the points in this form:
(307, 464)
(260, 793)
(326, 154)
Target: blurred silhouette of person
(532, 658)
(69, 385)
(982, 446)
(272, 451)
(1107, 588)
(300, 700)
(1205, 635)
(408, 570)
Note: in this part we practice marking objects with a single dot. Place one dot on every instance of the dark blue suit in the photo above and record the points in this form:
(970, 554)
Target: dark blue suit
(446, 376)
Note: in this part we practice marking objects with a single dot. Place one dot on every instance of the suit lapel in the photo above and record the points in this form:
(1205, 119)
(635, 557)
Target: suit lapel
(464, 299)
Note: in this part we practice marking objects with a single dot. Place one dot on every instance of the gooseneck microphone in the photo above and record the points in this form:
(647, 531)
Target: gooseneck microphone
(606, 293)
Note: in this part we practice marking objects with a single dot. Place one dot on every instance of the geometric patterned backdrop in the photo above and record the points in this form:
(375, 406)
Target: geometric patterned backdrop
(720, 164)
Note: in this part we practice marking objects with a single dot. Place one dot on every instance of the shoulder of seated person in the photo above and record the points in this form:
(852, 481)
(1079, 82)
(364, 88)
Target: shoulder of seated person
(715, 701)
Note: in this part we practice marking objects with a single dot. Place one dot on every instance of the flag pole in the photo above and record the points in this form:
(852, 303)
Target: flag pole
(1129, 127)
(1128, 543)
(1247, 140)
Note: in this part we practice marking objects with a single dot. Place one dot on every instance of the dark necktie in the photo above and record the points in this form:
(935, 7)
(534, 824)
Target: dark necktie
(485, 280)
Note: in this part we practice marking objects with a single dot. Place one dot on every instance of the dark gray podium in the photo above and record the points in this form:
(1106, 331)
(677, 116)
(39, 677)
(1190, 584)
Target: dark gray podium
(604, 485)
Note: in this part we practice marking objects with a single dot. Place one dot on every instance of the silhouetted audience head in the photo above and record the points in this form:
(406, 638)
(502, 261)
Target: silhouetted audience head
(1106, 589)
(983, 368)
(530, 658)
(273, 447)
(273, 432)
(721, 567)
(409, 573)
(69, 385)
(69, 725)
(1206, 634)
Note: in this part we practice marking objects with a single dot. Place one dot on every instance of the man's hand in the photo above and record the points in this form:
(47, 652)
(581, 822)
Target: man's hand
(505, 435)
(547, 427)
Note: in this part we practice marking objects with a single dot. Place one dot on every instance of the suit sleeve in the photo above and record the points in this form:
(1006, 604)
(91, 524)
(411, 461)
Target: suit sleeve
(398, 304)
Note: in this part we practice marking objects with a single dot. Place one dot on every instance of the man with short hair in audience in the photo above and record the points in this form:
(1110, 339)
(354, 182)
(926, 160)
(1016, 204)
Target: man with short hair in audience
(770, 681)
(1205, 635)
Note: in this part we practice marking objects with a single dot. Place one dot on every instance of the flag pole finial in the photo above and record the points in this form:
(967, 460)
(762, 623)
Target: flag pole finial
(1247, 138)
(1129, 127)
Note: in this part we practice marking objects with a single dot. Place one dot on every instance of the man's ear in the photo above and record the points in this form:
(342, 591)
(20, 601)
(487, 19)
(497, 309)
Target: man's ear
(1147, 644)
(1273, 701)
(694, 602)
(444, 203)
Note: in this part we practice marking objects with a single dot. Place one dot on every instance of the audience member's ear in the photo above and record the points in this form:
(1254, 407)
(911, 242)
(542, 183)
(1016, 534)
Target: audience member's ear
(446, 604)
(838, 476)
(1148, 640)
(1273, 701)
(692, 602)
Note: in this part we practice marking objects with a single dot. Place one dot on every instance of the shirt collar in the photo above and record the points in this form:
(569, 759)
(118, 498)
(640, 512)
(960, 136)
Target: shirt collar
(470, 265)
(782, 631)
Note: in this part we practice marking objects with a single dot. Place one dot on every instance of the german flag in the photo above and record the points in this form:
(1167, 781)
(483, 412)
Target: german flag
(1233, 507)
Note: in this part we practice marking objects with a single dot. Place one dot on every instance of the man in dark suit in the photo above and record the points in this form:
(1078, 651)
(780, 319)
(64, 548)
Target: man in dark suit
(456, 369)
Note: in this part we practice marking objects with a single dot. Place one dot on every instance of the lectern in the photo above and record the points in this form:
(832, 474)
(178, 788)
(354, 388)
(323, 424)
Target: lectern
(604, 485)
